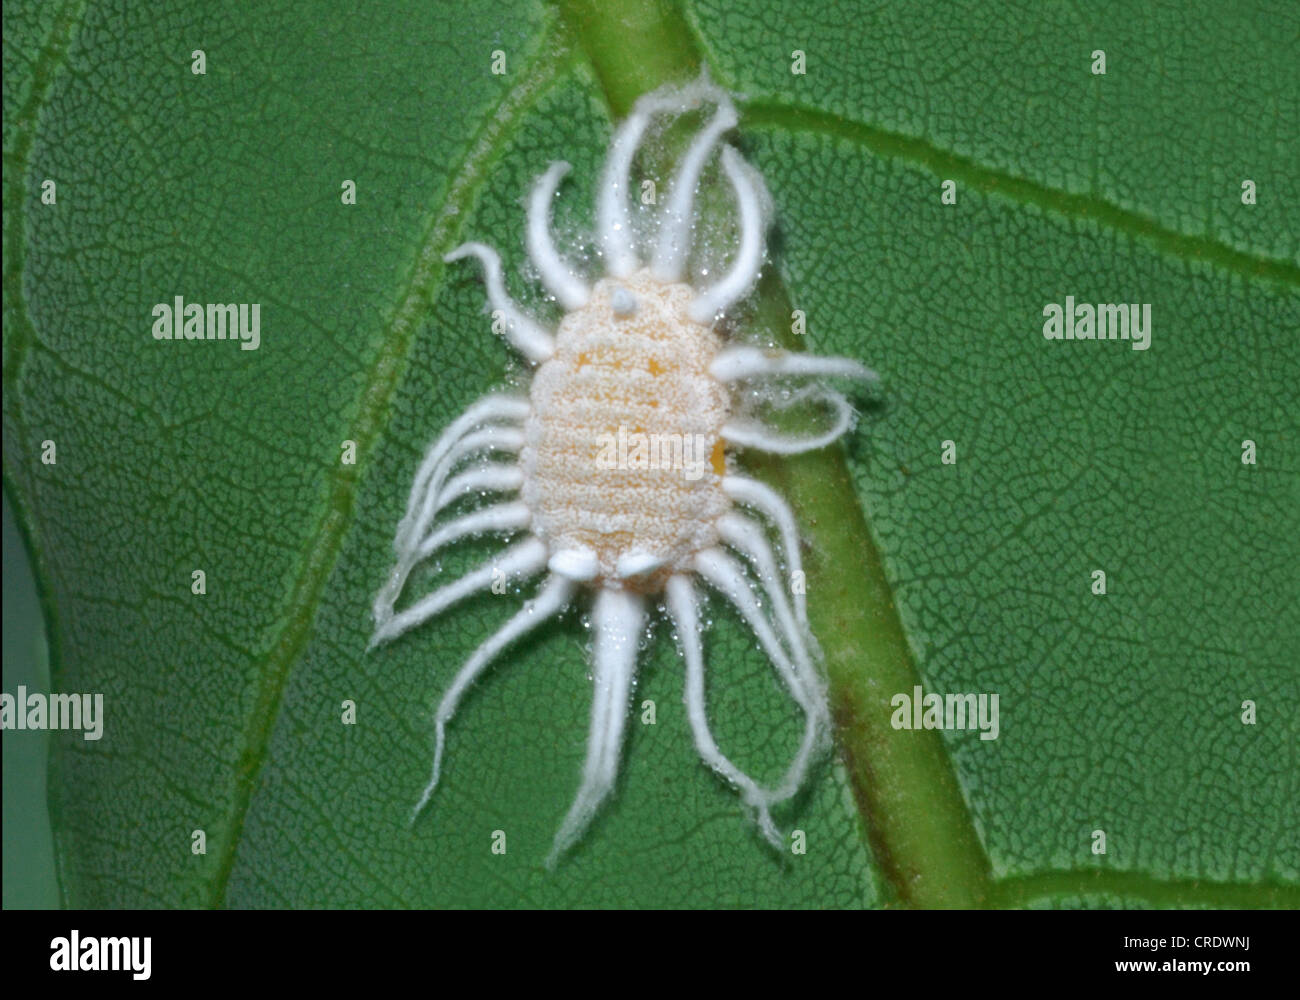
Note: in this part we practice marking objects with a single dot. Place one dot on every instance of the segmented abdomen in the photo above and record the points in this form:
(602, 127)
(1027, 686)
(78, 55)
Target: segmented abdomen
(623, 451)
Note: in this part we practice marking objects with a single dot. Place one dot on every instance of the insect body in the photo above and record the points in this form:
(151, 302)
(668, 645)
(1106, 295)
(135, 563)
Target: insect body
(635, 359)
(645, 374)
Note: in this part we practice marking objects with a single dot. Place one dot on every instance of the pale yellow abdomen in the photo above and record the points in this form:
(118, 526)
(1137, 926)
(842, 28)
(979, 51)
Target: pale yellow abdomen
(623, 453)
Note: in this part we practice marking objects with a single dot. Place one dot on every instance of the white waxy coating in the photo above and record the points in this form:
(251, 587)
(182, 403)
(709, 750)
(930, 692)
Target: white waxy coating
(617, 380)
(622, 468)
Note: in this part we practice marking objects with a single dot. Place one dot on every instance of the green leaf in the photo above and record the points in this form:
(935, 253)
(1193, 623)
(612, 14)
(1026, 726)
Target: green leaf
(1119, 713)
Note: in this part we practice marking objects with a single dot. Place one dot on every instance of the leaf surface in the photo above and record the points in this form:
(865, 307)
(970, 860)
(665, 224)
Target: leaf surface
(1120, 713)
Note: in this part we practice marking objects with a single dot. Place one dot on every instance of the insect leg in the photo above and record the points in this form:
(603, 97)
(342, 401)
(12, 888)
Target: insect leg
(769, 503)
(744, 270)
(683, 607)
(744, 536)
(490, 408)
(618, 619)
(556, 276)
(498, 518)
(725, 574)
(523, 332)
(751, 362)
(524, 559)
(752, 434)
(674, 240)
(550, 601)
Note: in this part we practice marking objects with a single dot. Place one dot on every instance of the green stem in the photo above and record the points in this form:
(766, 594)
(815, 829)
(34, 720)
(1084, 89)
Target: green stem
(912, 808)
(634, 46)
